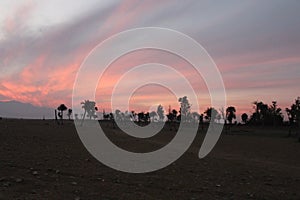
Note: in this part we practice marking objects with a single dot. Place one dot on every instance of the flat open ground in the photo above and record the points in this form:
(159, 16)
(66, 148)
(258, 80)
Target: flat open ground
(41, 160)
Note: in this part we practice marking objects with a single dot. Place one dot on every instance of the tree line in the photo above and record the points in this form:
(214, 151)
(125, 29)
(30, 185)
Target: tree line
(263, 114)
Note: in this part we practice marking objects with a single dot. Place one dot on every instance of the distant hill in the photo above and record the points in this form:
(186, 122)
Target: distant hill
(15, 109)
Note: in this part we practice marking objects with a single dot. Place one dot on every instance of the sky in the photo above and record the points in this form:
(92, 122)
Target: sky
(255, 45)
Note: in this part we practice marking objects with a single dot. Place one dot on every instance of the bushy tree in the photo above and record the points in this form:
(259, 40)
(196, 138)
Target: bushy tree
(172, 116)
(294, 115)
(211, 114)
(118, 115)
(152, 115)
(174, 112)
(185, 108)
(294, 112)
(195, 116)
(266, 115)
(275, 113)
(141, 117)
(230, 114)
(244, 118)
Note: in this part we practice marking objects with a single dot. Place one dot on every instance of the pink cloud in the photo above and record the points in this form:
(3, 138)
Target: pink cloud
(46, 66)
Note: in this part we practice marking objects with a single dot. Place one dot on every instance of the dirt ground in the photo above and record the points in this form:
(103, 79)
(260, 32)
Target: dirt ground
(41, 160)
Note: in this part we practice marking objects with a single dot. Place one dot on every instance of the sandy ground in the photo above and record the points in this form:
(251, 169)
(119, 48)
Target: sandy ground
(41, 160)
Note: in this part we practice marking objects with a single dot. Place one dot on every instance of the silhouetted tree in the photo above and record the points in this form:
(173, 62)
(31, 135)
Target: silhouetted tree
(89, 109)
(69, 113)
(160, 112)
(211, 114)
(127, 116)
(112, 119)
(61, 110)
(172, 116)
(263, 112)
(118, 115)
(294, 115)
(294, 112)
(276, 114)
(201, 121)
(152, 115)
(185, 108)
(133, 115)
(178, 118)
(174, 112)
(244, 118)
(267, 115)
(141, 117)
(195, 117)
(147, 117)
(55, 116)
(104, 115)
(259, 115)
(230, 114)
(256, 116)
(218, 118)
(95, 115)
(223, 115)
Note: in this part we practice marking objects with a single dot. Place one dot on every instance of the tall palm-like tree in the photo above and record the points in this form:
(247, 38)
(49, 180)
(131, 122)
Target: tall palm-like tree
(61, 110)
(89, 109)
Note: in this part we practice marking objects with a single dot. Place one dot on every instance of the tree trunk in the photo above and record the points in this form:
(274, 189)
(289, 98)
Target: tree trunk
(83, 117)
(55, 115)
(298, 131)
(62, 117)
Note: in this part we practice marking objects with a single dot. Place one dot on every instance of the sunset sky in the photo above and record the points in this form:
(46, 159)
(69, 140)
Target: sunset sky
(255, 44)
